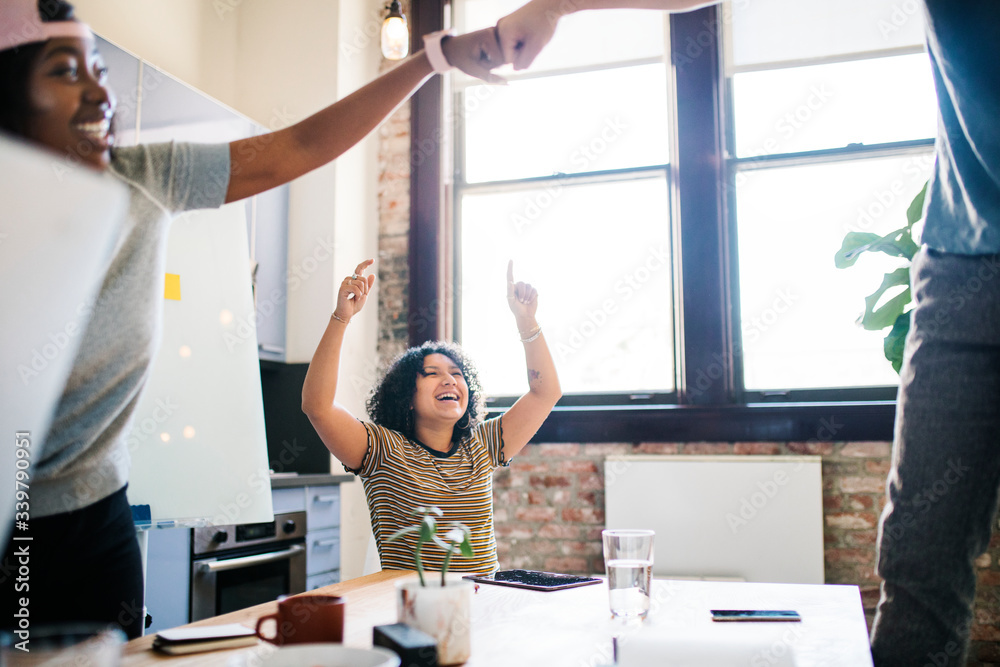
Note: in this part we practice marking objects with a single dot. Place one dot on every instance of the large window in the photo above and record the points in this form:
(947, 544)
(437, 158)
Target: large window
(677, 187)
(831, 119)
(565, 171)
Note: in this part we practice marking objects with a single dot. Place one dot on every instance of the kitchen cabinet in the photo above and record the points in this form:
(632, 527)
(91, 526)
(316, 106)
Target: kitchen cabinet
(269, 221)
(168, 577)
(323, 536)
(319, 496)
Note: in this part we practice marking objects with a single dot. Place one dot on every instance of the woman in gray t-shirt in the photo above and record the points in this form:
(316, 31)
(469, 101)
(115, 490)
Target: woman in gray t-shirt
(53, 85)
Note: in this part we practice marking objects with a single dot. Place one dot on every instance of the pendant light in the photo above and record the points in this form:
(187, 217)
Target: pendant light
(395, 33)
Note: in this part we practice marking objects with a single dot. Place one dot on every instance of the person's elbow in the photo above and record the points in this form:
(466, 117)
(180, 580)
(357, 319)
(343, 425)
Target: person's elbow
(314, 406)
(550, 392)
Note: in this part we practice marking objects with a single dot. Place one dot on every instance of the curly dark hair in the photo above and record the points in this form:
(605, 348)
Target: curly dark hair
(15, 68)
(392, 396)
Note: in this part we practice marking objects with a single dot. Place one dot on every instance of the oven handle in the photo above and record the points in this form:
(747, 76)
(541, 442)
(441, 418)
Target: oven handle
(249, 561)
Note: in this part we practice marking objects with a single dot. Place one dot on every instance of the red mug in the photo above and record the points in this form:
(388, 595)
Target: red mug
(306, 619)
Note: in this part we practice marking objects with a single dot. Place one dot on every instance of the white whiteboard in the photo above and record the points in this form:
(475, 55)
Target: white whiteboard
(197, 442)
(756, 518)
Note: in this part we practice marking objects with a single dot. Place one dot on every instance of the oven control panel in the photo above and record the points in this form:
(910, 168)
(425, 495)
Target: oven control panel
(214, 539)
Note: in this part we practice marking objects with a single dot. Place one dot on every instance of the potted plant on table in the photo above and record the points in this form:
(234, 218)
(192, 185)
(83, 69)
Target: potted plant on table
(442, 609)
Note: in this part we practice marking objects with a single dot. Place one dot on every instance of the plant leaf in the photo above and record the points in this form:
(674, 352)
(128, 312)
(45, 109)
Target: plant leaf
(886, 315)
(403, 531)
(854, 244)
(466, 547)
(427, 528)
(895, 341)
(915, 210)
(876, 318)
(455, 535)
(898, 244)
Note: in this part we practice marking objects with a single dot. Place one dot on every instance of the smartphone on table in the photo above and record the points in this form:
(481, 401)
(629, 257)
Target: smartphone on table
(755, 615)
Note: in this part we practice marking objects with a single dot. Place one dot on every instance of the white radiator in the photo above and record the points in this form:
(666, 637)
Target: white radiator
(752, 518)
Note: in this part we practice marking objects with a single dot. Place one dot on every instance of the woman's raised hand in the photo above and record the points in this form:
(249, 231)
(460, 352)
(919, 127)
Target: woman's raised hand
(521, 297)
(475, 53)
(353, 292)
(525, 32)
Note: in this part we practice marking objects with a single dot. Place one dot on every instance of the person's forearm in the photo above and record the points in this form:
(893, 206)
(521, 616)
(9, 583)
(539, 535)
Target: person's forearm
(564, 7)
(298, 149)
(543, 381)
(332, 131)
(320, 387)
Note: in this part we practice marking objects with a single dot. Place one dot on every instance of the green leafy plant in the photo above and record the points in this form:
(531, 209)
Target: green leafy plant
(895, 312)
(457, 537)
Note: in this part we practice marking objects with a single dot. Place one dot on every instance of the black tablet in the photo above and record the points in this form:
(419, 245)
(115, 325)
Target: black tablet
(534, 579)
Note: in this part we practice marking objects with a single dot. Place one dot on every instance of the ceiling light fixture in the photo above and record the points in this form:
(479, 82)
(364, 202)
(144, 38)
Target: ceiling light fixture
(395, 33)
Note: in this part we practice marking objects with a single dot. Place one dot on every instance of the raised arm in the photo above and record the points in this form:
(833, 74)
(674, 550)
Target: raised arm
(526, 416)
(526, 31)
(267, 161)
(342, 434)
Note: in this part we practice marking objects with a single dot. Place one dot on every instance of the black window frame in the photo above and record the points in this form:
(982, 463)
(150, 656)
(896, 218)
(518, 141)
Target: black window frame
(710, 404)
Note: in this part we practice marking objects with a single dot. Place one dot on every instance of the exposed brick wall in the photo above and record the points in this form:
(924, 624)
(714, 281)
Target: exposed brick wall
(549, 504)
(394, 228)
(564, 483)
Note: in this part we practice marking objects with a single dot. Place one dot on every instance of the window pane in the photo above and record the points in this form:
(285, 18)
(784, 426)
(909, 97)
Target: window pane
(831, 106)
(600, 258)
(798, 311)
(769, 31)
(583, 39)
(608, 119)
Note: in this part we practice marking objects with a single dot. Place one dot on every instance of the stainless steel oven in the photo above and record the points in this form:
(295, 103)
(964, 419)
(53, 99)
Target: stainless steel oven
(233, 567)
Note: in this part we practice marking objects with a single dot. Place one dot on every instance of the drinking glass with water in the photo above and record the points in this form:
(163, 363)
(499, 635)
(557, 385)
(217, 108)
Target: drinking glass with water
(628, 557)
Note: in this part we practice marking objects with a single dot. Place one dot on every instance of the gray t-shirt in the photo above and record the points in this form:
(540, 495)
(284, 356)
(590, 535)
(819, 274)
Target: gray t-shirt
(85, 457)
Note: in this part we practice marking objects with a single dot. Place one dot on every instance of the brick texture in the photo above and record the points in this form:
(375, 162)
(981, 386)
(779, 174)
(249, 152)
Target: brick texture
(549, 504)
(394, 229)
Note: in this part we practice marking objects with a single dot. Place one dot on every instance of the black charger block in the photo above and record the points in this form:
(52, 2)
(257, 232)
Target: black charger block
(414, 647)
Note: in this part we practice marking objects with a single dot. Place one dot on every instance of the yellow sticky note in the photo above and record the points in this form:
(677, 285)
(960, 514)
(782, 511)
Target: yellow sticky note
(172, 287)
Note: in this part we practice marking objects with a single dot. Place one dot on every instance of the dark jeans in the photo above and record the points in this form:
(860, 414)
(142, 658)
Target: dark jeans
(943, 486)
(83, 565)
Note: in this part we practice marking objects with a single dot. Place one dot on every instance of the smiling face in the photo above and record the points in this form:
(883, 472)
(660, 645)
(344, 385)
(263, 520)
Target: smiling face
(441, 393)
(71, 105)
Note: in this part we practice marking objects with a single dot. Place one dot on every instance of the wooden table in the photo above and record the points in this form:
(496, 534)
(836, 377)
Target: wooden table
(519, 627)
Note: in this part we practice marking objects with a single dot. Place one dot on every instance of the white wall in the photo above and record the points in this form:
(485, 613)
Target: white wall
(278, 62)
(179, 36)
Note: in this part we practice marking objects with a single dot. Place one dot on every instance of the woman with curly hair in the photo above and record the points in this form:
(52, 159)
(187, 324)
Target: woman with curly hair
(427, 443)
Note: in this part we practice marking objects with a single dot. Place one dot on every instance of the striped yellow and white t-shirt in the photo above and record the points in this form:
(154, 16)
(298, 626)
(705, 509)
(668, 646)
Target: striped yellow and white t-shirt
(400, 474)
